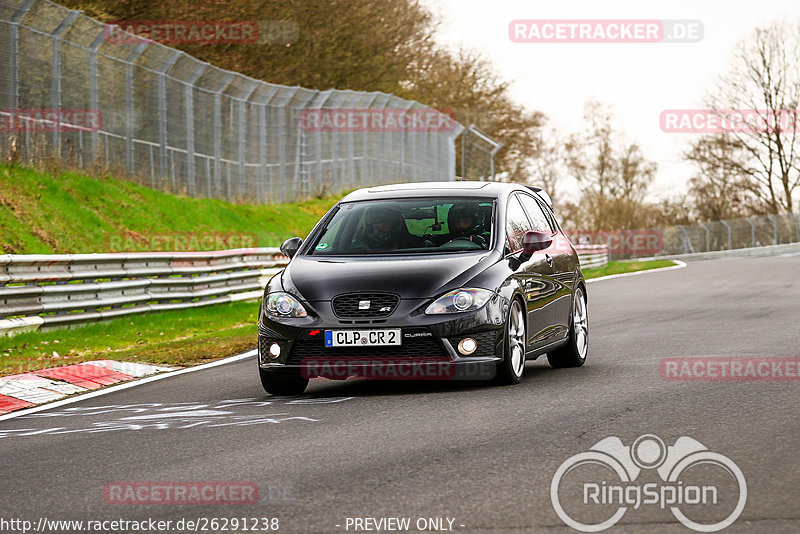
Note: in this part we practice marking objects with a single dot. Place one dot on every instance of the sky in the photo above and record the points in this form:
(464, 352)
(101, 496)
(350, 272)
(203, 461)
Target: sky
(638, 80)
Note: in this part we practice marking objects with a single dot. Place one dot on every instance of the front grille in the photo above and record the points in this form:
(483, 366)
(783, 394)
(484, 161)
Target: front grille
(421, 347)
(263, 348)
(380, 305)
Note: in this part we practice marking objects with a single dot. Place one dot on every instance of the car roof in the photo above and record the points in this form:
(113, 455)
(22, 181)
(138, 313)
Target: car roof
(435, 189)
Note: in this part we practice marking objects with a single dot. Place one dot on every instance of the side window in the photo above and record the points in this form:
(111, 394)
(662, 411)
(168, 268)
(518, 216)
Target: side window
(516, 224)
(540, 221)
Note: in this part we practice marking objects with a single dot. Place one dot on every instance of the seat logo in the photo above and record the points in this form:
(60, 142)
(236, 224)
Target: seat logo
(715, 491)
(363, 304)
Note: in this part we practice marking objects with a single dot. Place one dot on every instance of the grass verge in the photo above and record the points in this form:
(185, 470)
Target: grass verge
(620, 267)
(67, 212)
(178, 337)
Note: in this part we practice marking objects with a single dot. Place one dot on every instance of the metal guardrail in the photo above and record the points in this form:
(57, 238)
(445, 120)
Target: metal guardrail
(64, 289)
(592, 255)
(42, 291)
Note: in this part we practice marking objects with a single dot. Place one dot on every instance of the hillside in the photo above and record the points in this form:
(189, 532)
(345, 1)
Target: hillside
(43, 213)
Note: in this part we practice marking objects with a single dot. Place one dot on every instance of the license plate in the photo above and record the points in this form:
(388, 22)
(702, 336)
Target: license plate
(362, 338)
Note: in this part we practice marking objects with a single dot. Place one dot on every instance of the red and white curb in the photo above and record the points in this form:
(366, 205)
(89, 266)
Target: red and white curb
(46, 385)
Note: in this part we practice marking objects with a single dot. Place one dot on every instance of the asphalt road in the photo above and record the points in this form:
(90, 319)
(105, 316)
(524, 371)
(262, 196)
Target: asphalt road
(481, 456)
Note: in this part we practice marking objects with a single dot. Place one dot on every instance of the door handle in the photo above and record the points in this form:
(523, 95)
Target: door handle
(548, 259)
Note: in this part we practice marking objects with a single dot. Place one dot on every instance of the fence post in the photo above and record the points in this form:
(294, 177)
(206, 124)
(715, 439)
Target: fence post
(687, 242)
(774, 228)
(188, 89)
(242, 139)
(218, 133)
(129, 120)
(796, 226)
(94, 99)
(708, 237)
(13, 49)
(300, 154)
(319, 105)
(162, 115)
(365, 142)
(464, 134)
(752, 231)
(730, 241)
(55, 96)
(262, 152)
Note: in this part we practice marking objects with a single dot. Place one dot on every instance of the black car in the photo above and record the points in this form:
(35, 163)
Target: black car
(425, 280)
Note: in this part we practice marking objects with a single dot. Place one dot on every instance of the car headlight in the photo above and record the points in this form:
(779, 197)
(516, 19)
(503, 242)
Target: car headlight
(460, 300)
(284, 305)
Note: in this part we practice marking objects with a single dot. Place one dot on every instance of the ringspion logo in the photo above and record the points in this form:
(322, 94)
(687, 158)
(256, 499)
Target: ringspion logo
(592, 491)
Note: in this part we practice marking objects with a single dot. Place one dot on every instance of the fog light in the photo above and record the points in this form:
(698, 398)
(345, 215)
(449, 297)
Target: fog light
(467, 346)
(274, 350)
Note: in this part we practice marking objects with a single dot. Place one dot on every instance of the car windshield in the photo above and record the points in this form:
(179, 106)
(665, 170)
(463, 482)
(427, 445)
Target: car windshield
(418, 226)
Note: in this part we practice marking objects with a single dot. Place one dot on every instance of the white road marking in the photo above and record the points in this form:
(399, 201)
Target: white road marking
(126, 385)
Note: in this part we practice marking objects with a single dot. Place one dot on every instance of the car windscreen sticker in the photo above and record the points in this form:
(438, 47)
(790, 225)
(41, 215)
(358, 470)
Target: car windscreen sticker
(322, 246)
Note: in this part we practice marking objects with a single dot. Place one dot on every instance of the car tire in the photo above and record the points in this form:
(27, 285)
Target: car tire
(511, 368)
(573, 354)
(282, 383)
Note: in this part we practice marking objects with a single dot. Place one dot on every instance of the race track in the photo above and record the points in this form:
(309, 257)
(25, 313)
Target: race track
(483, 456)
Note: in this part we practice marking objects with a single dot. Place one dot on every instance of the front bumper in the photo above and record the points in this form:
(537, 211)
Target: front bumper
(427, 340)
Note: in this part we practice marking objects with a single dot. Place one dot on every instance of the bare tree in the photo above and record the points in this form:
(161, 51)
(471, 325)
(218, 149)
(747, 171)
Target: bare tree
(548, 170)
(613, 173)
(765, 82)
(724, 186)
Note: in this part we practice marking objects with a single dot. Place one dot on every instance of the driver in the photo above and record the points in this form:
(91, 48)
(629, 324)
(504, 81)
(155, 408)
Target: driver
(383, 228)
(463, 220)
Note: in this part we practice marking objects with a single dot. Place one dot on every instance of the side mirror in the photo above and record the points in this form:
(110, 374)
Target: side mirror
(534, 241)
(291, 246)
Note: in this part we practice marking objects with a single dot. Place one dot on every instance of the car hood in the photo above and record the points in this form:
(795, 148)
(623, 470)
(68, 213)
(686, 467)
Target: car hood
(319, 279)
